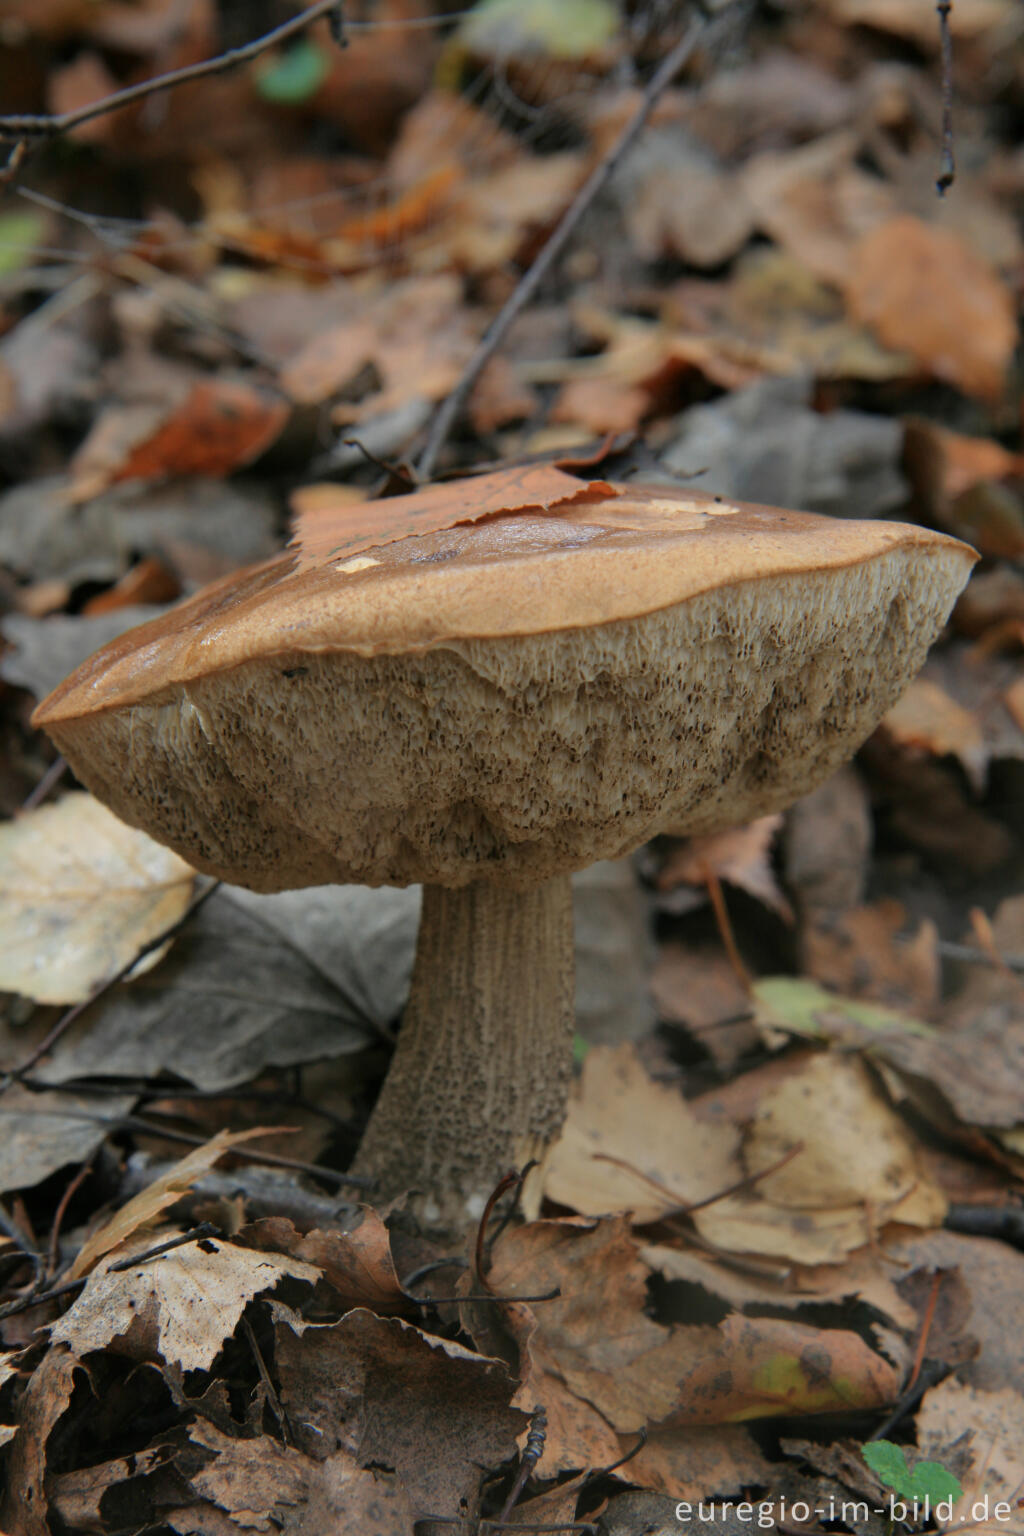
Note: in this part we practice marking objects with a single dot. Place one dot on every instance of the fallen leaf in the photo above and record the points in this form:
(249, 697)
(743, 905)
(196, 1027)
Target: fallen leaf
(741, 857)
(844, 464)
(617, 1110)
(145, 1208)
(340, 531)
(179, 1307)
(265, 1486)
(816, 203)
(856, 1168)
(42, 1132)
(221, 425)
(634, 1371)
(254, 981)
(44, 1402)
(699, 989)
(994, 1425)
(356, 1263)
(924, 290)
(694, 1462)
(866, 952)
(925, 717)
(827, 847)
(81, 893)
(915, 19)
(394, 1396)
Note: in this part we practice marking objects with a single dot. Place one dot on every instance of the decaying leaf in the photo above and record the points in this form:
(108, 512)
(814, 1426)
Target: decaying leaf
(42, 1132)
(394, 1396)
(255, 981)
(635, 1371)
(927, 292)
(264, 1486)
(179, 1307)
(618, 1111)
(80, 894)
(145, 1208)
(993, 1425)
(356, 1263)
(741, 858)
(45, 1400)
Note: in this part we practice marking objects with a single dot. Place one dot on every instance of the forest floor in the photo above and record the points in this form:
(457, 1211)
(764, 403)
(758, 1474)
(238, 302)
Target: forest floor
(793, 1274)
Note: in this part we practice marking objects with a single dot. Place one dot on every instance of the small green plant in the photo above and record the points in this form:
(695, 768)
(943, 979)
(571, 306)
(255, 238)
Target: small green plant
(927, 1480)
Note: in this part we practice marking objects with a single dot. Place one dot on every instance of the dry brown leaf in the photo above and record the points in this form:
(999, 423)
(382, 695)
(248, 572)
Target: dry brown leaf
(856, 1168)
(925, 717)
(699, 988)
(356, 1263)
(617, 1110)
(994, 1423)
(923, 290)
(145, 1208)
(694, 1462)
(634, 1372)
(915, 19)
(866, 952)
(265, 1486)
(41, 1132)
(80, 894)
(740, 857)
(865, 1275)
(816, 203)
(221, 425)
(45, 1399)
(393, 1396)
(179, 1307)
(340, 531)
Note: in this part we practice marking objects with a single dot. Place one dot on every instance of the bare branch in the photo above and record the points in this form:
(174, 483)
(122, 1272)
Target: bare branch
(48, 125)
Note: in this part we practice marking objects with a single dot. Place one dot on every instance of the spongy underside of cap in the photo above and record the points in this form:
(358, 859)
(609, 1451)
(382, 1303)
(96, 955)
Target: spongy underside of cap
(519, 759)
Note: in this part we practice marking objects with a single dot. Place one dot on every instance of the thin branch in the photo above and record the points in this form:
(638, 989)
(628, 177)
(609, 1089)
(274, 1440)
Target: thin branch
(947, 162)
(531, 280)
(48, 125)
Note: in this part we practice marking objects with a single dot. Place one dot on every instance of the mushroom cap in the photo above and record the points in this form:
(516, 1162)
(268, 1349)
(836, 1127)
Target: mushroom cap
(509, 699)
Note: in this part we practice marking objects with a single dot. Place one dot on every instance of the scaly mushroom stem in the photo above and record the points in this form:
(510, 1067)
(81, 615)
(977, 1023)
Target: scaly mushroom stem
(481, 1074)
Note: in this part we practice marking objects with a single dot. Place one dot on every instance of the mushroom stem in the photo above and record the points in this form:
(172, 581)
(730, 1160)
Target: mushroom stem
(481, 1073)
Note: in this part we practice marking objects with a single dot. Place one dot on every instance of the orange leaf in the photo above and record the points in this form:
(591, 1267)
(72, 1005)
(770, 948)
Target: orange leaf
(219, 426)
(326, 531)
(923, 290)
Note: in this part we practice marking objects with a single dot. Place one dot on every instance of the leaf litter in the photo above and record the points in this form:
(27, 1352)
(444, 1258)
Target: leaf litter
(788, 1190)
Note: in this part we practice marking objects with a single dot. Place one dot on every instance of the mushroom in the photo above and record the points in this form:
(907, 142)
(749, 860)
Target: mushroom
(484, 706)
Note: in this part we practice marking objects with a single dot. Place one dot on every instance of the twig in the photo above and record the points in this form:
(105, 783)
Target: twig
(276, 1405)
(71, 1287)
(714, 889)
(531, 280)
(950, 950)
(532, 1453)
(58, 1221)
(48, 125)
(926, 1328)
(11, 1229)
(50, 779)
(66, 1020)
(947, 162)
(504, 1184)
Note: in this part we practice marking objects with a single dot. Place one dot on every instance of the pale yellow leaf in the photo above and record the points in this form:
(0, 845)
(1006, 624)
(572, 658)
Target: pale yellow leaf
(80, 894)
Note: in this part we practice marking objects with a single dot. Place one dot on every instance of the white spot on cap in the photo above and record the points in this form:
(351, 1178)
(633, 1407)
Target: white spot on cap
(357, 563)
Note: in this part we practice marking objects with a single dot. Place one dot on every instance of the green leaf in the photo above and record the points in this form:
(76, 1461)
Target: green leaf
(889, 1464)
(800, 1007)
(556, 29)
(931, 1480)
(580, 1047)
(293, 77)
(20, 233)
(927, 1480)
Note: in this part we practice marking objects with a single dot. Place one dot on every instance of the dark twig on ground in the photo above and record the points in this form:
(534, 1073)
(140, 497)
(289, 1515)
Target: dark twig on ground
(532, 1453)
(450, 412)
(72, 1287)
(947, 162)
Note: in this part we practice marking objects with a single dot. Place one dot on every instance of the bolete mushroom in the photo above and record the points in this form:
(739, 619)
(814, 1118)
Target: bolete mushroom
(483, 699)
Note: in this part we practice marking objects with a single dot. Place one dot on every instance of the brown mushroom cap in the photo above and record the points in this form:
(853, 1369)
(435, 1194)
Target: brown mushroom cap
(512, 699)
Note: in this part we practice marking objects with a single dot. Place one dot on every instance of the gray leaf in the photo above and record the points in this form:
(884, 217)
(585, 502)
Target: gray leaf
(255, 981)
